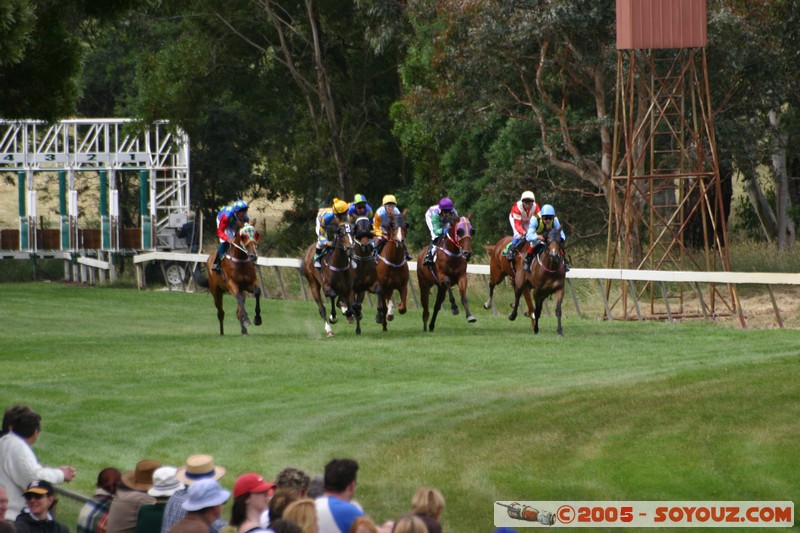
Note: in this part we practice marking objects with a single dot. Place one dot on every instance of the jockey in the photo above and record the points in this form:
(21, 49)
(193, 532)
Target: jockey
(389, 207)
(521, 214)
(328, 219)
(359, 208)
(229, 220)
(438, 218)
(540, 225)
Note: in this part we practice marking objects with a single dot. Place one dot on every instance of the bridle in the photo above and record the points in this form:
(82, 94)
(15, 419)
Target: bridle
(395, 235)
(343, 233)
(467, 234)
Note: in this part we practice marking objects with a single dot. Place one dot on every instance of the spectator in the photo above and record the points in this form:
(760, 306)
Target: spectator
(250, 500)
(93, 516)
(18, 463)
(165, 484)
(3, 503)
(203, 506)
(409, 524)
(197, 467)
(40, 498)
(316, 487)
(10, 417)
(131, 495)
(290, 485)
(303, 513)
(284, 526)
(428, 504)
(364, 524)
(7, 527)
(335, 509)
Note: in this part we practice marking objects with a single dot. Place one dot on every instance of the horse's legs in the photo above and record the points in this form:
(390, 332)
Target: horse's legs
(333, 319)
(462, 288)
(537, 313)
(244, 320)
(440, 294)
(496, 275)
(257, 296)
(402, 306)
(515, 305)
(424, 297)
(220, 311)
(527, 293)
(453, 305)
(559, 299)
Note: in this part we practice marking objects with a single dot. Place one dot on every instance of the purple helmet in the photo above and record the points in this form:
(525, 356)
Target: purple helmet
(446, 204)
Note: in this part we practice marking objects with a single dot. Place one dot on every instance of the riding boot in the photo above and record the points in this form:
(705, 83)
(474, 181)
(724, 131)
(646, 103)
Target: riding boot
(528, 260)
(378, 247)
(512, 250)
(318, 256)
(429, 257)
(223, 247)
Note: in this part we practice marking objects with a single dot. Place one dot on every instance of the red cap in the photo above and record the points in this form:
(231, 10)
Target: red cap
(251, 483)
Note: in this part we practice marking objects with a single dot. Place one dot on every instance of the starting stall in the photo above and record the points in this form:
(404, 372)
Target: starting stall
(100, 151)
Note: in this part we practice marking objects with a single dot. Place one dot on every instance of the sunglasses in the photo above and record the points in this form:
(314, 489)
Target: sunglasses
(548, 217)
(34, 496)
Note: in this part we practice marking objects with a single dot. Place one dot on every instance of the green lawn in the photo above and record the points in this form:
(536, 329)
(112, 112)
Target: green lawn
(484, 411)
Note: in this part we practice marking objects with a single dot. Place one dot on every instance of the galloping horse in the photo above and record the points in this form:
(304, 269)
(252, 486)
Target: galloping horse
(547, 276)
(450, 267)
(500, 267)
(365, 275)
(238, 276)
(335, 277)
(392, 267)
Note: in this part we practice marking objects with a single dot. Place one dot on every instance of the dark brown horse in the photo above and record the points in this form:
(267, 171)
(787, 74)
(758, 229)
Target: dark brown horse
(365, 274)
(334, 280)
(238, 277)
(547, 276)
(392, 267)
(500, 267)
(449, 268)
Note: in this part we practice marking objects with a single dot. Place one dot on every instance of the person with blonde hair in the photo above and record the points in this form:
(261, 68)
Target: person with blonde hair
(364, 524)
(303, 512)
(428, 504)
(410, 524)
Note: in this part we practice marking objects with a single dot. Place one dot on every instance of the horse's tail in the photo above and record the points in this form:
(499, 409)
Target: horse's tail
(489, 248)
(199, 280)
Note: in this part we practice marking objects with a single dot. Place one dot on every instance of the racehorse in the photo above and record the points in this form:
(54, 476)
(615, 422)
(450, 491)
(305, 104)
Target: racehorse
(392, 267)
(335, 278)
(500, 267)
(365, 275)
(237, 276)
(547, 276)
(450, 267)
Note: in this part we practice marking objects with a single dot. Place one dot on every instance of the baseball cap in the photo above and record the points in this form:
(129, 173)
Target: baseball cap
(251, 483)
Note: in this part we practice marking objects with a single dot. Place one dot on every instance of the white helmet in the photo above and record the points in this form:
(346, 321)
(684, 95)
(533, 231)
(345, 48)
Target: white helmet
(528, 195)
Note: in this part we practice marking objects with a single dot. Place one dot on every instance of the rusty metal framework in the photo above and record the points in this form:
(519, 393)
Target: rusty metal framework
(666, 180)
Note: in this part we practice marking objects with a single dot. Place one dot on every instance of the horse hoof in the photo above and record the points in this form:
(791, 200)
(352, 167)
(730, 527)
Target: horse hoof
(350, 319)
(486, 305)
(454, 310)
(333, 319)
(378, 319)
(258, 321)
(471, 319)
(512, 317)
(330, 334)
(389, 317)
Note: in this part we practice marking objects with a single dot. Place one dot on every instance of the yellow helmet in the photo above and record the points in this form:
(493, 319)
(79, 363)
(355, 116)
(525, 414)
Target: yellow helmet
(389, 199)
(340, 207)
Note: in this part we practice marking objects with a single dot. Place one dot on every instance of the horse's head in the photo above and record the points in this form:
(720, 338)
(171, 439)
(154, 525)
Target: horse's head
(394, 227)
(248, 238)
(462, 232)
(344, 237)
(363, 230)
(555, 245)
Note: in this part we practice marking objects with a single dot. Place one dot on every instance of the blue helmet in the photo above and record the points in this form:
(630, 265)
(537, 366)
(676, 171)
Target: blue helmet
(548, 210)
(239, 205)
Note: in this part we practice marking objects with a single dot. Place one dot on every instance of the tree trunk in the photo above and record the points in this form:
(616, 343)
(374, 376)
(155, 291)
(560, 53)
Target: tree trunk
(784, 226)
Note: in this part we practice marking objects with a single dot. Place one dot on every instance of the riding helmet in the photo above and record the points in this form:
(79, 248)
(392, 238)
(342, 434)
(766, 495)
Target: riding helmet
(528, 195)
(360, 199)
(239, 205)
(446, 204)
(389, 199)
(340, 207)
(548, 210)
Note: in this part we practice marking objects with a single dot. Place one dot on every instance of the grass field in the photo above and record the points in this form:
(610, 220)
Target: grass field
(484, 412)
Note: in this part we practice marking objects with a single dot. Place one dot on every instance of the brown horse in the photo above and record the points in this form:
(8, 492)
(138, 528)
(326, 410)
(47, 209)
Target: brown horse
(547, 276)
(392, 267)
(450, 267)
(365, 274)
(500, 267)
(238, 277)
(334, 279)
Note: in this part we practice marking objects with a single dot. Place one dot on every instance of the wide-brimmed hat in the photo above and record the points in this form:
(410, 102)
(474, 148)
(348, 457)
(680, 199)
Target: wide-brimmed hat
(164, 482)
(142, 477)
(199, 467)
(204, 494)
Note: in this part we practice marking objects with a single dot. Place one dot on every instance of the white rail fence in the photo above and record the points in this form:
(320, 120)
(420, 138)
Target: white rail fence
(189, 262)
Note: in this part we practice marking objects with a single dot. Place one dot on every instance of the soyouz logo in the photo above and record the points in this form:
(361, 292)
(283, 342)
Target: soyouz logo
(644, 514)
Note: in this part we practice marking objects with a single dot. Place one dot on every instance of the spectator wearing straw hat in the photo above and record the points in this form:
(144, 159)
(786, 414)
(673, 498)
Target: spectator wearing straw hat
(37, 517)
(203, 507)
(165, 484)
(131, 495)
(197, 468)
(93, 516)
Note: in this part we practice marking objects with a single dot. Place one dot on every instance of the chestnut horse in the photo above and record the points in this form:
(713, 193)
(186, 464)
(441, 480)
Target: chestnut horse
(500, 267)
(334, 279)
(547, 276)
(392, 266)
(365, 274)
(450, 267)
(237, 276)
